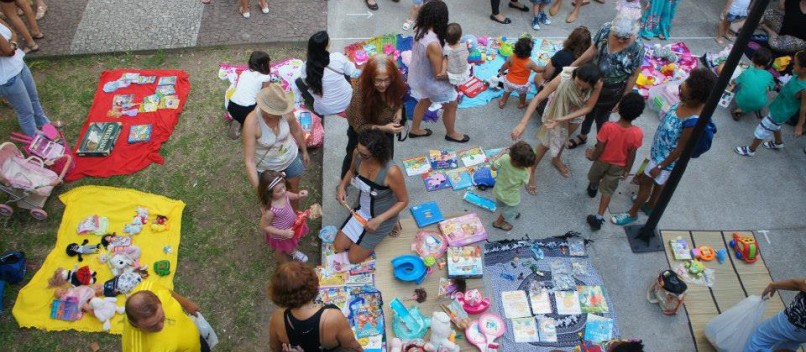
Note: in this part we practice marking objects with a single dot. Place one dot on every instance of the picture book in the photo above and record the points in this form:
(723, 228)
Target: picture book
(329, 278)
(463, 230)
(435, 181)
(360, 279)
(337, 296)
(167, 80)
(130, 76)
(515, 304)
(99, 139)
(473, 156)
(525, 330)
(165, 90)
(492, 153)
(65, 309)
(365, 316)
(563, 282)
(426, 214)
(150, 103)
(417, 165)
(459, 178)
(680, 249)
(42, 147)
(465, 262)
(169, 102)
(372, 343)
(479, 201)
(547, 329)
(598, 329)
(576, 247)
(539, 299)
(139, 133)
(338, 262)
(446, 287)
(305, 120)
(144, 79)
(579, 268)
(443, 159)
(592, 299)
(123, 100)
(567, 302)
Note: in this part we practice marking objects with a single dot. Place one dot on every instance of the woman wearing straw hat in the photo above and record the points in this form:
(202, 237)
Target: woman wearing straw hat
(273, 138)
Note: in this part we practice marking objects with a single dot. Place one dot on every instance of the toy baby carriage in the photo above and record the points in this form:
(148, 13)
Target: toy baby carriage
(27, 181)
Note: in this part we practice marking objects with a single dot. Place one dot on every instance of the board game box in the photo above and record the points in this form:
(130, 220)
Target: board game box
(463, 230)
(465, 262)
(99, 139)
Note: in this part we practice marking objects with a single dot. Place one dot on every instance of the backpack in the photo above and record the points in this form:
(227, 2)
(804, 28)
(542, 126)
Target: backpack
(12, 266)
(704, 144)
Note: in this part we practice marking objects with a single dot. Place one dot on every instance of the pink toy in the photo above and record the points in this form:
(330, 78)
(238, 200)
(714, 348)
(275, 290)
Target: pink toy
(483, 41)
(361, 57)
(463, 230)
(473, 302)
(483, 332)
(389, 49)
(429, 244)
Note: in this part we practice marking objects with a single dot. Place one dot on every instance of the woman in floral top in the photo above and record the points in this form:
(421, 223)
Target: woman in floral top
(619, 53)
(787, 329)
(670, 139)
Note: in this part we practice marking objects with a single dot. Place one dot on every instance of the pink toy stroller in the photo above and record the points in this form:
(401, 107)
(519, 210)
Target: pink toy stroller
(27, 181)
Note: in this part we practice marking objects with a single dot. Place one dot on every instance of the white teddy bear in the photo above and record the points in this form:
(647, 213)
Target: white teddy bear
(105, 309)
(440, 334)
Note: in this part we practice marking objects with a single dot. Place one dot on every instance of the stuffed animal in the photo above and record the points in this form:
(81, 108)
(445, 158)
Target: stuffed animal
(73, 249)
(664, 53)
(136, 225)
(120, 263)
(125, 283)
(441, 334)
(76, 277)
(83, 295)
(105, 309)
(160, 224)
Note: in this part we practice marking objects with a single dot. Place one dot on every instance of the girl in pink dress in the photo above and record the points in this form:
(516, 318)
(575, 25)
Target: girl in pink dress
(278, 216)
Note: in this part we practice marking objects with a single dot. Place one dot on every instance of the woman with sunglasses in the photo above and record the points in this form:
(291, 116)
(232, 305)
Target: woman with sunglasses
(377, 104)
(382, 196)
(619, 53)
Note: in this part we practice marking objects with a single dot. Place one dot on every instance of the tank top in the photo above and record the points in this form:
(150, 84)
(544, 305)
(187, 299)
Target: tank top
(274, 152)
(518, 71)
(283, 217)
(305, 333)
(375, 198)
(421, 74)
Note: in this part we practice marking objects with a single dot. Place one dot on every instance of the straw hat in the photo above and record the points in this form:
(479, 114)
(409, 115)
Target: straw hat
(274, 100)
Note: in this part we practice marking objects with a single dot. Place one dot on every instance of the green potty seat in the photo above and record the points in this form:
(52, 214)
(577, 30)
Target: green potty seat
(162, 267)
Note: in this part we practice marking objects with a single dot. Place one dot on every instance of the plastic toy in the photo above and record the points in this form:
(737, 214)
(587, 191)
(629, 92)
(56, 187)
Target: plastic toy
(407, 323)
(137, 223)
(458, 315)
(667, 70)
(721, 255)
(483, 332)
(429, 243)
(507, 276)
(483, 178)
(537, 251)
(409, 267)
(704, 253)
(479, 201)
(442, 336)
(328, 233)
(695, 268)
(167, 249)
(162, 267)
(361, 57)
(483, 41)
(506, 50)
(300, 225)
(745, 248)
(160, 224)
(474, 57)
(645, 81)
(473, 302)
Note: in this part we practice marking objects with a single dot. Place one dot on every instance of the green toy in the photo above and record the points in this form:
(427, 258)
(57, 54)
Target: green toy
(162, 267)
(695, 268)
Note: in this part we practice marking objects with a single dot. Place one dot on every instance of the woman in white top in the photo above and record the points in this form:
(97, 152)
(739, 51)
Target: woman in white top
(324, 74)
(17, 85)
(250, 82)
(273, 139)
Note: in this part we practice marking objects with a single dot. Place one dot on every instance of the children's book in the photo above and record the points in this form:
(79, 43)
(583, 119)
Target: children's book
(463, 230)
(130, 76)
(145, 79)
(579, 268)
(366, 316)
(525, 330)
(426, 214)
(123, 100)
(139, 133)
(515, 304)
(443, 159)
(460, 179)
(563, 282)
(99, 139)
(473, 156)
(482, 202)
(547, 329)
(465, 262)
(576, 247)
(446, 287)
(165, 90)
(567, 302)
(338, 262)
(330, 278)
(169, 102)
(167, 80)
(417, 165)
(539, 298)
(680, 249)
(65, 309)
(150, 103)
(592, 299)
(435, 181)
(598, 329)
(492, 153)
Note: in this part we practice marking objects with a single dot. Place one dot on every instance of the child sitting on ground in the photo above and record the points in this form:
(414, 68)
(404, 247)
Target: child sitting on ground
(278, 216)
(753, 86)
(520, 66)
(455, 53)
(734, 10)
(250, 82)
(614, 154)
(513, 174)
(790, 100)
(539, 14)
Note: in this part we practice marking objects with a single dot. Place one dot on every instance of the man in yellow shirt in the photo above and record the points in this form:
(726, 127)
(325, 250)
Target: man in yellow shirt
(158, 321)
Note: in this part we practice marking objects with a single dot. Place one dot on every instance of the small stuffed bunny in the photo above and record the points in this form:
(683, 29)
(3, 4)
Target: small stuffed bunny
(105, 309)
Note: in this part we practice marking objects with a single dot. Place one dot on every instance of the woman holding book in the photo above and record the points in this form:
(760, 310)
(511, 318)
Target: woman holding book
(376, 105)
(17, 85)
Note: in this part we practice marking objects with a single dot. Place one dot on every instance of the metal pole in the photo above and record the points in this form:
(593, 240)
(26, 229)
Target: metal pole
(646, 233)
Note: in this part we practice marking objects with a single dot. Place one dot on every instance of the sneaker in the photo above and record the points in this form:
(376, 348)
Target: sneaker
(623, 219)
(234, 131)
(592, 191)
(544, 18)
(594, 222)
(536, 23)
(299, 256)
(744, 151)
(772, 145)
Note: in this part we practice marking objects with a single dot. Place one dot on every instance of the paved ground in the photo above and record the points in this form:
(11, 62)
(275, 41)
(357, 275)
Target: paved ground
(720, 190)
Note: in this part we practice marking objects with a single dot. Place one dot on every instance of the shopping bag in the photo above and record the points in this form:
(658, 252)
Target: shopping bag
(730, 331)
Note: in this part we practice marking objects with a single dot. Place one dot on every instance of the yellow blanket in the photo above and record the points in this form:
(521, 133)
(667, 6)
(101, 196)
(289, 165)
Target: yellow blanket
(32, 308)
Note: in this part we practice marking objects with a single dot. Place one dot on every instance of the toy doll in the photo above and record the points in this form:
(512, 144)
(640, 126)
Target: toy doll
(76, 277)
(74, 249)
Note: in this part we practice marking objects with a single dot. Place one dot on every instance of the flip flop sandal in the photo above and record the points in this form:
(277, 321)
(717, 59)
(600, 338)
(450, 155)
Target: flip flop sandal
(464, 139)
(503, 227)
(396, 230)
(39, 36)
(584, 2)
(531, 189)
(31, 49)
(576, 142)
(505, 21)
(41, 10)
(373, 7)
(523, 8)
(428, 132)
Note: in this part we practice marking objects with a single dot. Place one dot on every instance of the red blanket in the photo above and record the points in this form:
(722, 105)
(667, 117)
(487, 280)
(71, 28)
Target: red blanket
(129, 158)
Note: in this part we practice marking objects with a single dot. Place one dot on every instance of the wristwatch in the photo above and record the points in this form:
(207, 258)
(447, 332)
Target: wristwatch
(14, 46)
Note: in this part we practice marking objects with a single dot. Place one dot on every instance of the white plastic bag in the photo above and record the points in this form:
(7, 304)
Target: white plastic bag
(730, 331)
(205, 330)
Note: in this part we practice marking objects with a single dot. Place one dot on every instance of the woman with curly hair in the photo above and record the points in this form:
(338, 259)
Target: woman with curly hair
(377, 104)
(428, 83)
(303, 324)
(324, 76)
(382, 196)
(670, 139)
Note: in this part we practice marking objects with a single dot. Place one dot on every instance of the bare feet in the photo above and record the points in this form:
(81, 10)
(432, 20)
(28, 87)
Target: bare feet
(501, 103)
(555, 8)
(562, 168)
(531, 189)
(572, 17)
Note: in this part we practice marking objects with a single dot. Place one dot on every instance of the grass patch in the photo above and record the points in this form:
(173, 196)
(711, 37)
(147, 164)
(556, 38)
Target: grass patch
(224, 263)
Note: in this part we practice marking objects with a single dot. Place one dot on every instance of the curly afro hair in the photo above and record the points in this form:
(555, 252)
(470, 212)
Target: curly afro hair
(700, 82)
(432, 16)
(523, 48)
(378, 144)
(293, 285)
(522, 155)
(631, 106)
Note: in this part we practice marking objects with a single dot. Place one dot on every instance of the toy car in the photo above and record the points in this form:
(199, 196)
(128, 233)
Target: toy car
(483, 178)
(746, 248)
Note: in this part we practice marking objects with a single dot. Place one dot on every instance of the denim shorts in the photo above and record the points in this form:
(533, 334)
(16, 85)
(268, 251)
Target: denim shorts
(295, 169)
